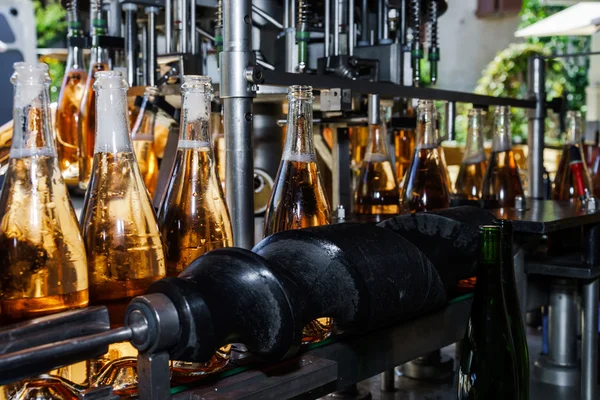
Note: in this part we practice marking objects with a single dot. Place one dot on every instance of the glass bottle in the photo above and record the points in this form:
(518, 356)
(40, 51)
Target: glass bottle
(377, 191)
(43, 266)
(193, 215)
(502, 182)
(123, 243)
(426, 184)
(404, 140)
(472, 169)
(218, 140)
(488, 336)
(69, 100)
(570, 183)
(99, 61)
(513, 308)
(142, 137)
(298, 199)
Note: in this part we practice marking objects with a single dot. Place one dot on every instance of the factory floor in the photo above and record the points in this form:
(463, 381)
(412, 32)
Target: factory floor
(411, 389)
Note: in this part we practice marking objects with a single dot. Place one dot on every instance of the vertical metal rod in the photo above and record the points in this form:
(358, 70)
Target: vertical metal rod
(402, 38)
(380, 6)
(144, 48)
(374, 117)
(589, 351)
(364, 22)
(193, 33)
(237, 96)
(388, 380)
(450, 120)
(385, 30)
(537, 118)
(114, 24)
(351, 33)
(184, 26)
(328, 27)
(130, 42)
(152, 12)
(337, 20)
(562, 320)
(169, 26)
(289, 24)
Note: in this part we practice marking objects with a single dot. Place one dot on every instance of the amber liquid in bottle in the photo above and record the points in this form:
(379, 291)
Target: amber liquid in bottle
(472, 169)
(404, 146)
(502, 182)
(67, 117)
(298, 199)
(426, 184)
(218, 140)
(123, 243)
(564, 182)
(142, 136)
(43, 266)
(377, 191)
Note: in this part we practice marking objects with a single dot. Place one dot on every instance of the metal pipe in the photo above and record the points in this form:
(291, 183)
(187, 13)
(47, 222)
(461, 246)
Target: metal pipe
(114, 23)
(337, 20)
(589, 351)
(265, 64)
(183, 38)
(328, 27)
(237, 96)
(374, 117)
(193, 35)
(262, 13)
(380, 7)
(169, 26)
(364, 22)
(402, 37)
(387, 380)
(333, 120)
(205, 34)
(562, 320)
(144, 49)
(152, 12)
(351, 31)
(450, 133)
(537, 118)
(385, 32)
(130, 42)
(290, 34)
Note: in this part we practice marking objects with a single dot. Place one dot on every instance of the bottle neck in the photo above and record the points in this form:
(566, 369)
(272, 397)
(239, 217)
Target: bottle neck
(32, 133)
(299, 137)
(427, 130)
(377, 147)
(474, 152)
(195, 120)
(502, 137)
(574, 131)
(112, 125)
(490, 258)
(98, 55)
(74, 59)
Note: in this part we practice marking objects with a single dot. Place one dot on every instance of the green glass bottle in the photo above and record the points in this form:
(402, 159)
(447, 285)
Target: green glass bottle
(513, 308)
(488, 364)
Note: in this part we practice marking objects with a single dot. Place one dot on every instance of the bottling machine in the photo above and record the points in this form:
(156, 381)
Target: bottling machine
(389, 287)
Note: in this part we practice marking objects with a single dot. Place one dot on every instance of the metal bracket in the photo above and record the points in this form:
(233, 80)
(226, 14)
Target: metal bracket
(154, 376)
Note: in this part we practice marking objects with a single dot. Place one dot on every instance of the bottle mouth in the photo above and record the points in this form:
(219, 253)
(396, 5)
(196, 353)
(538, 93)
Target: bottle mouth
(197, 83)
(300, 92)
(110, 80)
(502, 110)
(475, 111)
(30, 73)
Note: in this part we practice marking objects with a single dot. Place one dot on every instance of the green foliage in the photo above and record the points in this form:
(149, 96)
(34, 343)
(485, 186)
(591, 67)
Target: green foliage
(50, 21)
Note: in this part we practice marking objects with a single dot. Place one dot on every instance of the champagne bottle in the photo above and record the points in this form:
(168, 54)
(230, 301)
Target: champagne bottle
(470, 175)
(142, 137)
(502, 182)
(218, 140)
(426, 184)
(69, 100)
(513, 308)
(298, 199)
(123, 243)
(43, 267)
(488, 364)
(99, 61)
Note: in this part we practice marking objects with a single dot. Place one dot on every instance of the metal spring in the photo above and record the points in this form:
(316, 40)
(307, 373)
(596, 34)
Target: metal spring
(432, 14)
(415, 13)
(219, 14)
(303, 11)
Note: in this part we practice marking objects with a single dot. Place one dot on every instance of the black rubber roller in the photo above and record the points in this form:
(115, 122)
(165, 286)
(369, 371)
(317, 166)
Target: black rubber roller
(362, 275)
(449, 238)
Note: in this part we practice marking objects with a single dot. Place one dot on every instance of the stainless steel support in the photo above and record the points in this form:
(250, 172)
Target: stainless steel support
(589, 351)
(385, 29)
(237, 94)
(337, 21)
(184, 37)
(130, 42)
(289, 20)
(380, 6)
(151, 12)
(374, 117)
(364, 22)
(351, 31)
(144, 50)
(328, 27)
(169, 25)
(450, 133)
(388, 380)
(114, 15)
(537, 118)
(260, 12)
(193, 34)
